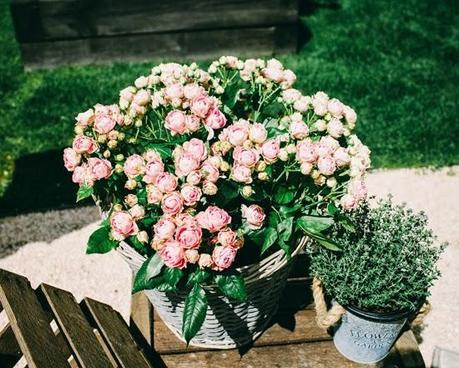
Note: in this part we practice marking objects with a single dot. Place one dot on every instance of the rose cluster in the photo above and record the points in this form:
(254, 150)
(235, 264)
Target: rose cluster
(192, 162)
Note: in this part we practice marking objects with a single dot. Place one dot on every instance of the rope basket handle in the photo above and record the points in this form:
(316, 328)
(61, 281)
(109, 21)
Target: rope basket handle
(325, 318)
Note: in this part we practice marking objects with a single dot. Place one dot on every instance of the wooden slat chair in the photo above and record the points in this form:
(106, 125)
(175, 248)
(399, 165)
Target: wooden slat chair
(47, 328)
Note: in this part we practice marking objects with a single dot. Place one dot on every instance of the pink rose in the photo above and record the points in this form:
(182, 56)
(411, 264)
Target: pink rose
(141, 82)
(83, 144)
(258, 133)
(173, 254)
(191, 194)
(71, 159)
(85, 118)
(134, 165)
(350, 115)
(192, 122)
(194, 178)
(246, 157)
(189, 236)
(104, 125)
(172, 203)
(215, 119)
(127, 93)
(299, 130)
(142, 97)
(185, 219)
(341, 157)
(196, 148)
(153, 169)
(166, 182)
(174, 91)
(326, 165)
(335, 128)
(185, 164)
(358, 189)
(291, 95)
(335, 107)
(123, 225)
(176, 122)
(242, 174)
(106, 117)
(223, 257)
(327, 145)
(274, 73)
(254, 216)
(302, 104)
(201, 105)
(137, 212)
(238, 133)
(306, 151)
(154, 195)
(228, 238)
(131, 200)
(192, 255)
(289, 79)
(82, 175)
(209, 172)
(270, 149)
(213, 219)
(100, 169)
(348, 202)
(192, 90)
(205, 260)
(164, 229)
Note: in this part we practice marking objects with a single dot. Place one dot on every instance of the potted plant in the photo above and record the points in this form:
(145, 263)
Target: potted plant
(381, 275)
(208, 181)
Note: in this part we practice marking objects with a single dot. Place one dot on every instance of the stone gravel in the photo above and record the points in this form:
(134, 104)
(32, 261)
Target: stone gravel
(50, 247)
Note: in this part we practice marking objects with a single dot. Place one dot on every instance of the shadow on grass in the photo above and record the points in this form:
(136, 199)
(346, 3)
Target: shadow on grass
(40, 182)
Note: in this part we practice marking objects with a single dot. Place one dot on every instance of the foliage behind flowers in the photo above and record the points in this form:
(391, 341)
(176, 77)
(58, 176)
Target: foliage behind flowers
(387, 263)
(204, 171)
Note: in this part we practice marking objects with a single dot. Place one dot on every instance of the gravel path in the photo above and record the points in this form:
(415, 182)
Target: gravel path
(55, 256)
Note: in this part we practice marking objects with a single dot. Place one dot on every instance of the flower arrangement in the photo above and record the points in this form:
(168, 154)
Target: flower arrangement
(205, 171)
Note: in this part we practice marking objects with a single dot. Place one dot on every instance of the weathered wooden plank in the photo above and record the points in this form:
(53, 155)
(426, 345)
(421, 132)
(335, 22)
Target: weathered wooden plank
(286, 329)
(29, 322)
(142, 316)
(40, 20)
(76, 328)
(116, 334)
(318, 355)
(197, 45)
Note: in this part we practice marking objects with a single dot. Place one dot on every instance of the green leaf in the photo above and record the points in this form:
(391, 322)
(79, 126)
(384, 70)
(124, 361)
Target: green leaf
(142, 197)
(283, 195)
(194, 312)
(149, 269)
(285, 228)
(100, 242)
(331, 208)
(84, 191)
(163, 150)
(166, 287)
(198, 277)
(289, 210)
(137, 244)
(232, 286)
(314, 224)
(173, 276)
(346, 222)
(270, 239)
(324, 241)
(257, 236)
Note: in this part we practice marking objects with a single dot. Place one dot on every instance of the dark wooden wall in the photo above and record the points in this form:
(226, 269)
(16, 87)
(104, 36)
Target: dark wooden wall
(55, 32)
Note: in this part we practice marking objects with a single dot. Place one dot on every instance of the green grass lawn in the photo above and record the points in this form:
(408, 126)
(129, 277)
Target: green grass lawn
(396, 62)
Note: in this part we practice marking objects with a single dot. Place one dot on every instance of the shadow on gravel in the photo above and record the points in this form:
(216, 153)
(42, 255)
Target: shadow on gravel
(40, 183)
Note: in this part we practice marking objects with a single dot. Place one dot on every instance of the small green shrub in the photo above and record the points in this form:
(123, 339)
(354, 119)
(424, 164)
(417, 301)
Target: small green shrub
(387, 263)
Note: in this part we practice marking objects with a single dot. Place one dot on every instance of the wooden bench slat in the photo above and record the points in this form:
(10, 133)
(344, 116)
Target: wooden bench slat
(37, 21)
(76, 328)
(29, 322)
(117, 335)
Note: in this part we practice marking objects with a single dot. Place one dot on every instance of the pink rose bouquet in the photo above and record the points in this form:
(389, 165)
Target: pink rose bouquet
(204, 171)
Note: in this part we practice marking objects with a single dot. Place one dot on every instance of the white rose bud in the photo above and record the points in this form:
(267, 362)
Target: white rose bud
(247, 191)
(248, 144)
(331, 182)
(225, 166)
(315, 174)
(119, 157)
(117, 207)
(107, 154)
(320, 125)
(142, 237)
(261, 166)
(205, 260)
(192, 255)
(130, 184)
(131, 200)
(209, 188)
(102, 138)
(283, 154)
(306, 168)
(141, 82)
(79, 129)
(263, 176)
(138, 123)
(216, 161)
(119, 168)
(112, 144)
(121, 136)
(219, 90)
(320, 180)
(291, 148)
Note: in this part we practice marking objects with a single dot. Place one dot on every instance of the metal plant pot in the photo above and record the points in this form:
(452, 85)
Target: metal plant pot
(366, 337)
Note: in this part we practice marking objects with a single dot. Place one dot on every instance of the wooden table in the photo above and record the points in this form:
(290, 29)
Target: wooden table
(47, 328)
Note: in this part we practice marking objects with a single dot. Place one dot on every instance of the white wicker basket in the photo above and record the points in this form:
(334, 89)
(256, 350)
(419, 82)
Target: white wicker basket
(228, 324)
